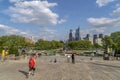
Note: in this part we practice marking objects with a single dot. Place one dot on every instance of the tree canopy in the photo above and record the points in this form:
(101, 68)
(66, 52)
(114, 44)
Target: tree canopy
(13, 43)
(80, 44)
(45, 45)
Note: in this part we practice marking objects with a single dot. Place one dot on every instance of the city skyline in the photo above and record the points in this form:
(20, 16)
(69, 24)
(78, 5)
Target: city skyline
(52, 20)
(94, 39)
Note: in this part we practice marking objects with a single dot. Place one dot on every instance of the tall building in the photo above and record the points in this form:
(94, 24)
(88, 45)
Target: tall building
(70, 35)
(77, 34)
(100, 35)
(87, 37)
(95, 38)
(99, 41)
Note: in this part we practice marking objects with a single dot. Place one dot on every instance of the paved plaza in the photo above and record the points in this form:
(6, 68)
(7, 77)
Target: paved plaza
(83, 69)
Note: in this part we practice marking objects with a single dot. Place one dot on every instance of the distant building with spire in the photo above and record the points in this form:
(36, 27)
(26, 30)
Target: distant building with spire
(77, 34)
(71, 36)
(95, 39)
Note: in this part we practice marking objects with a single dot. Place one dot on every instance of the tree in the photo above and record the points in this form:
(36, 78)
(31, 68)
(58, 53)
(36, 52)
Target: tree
(112, 41)
(41, 44)
(116, 41)
(107, 42)
(13, 42)
(80, 44)
(97, 46)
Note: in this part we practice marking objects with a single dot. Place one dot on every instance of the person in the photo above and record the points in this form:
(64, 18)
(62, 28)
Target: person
(3, 55)
(92, 55)
(68, 57)
(55, 60)
(73, 58)
(31, 66)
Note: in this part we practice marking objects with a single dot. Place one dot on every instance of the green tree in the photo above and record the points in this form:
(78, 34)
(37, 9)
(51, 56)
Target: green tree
(41, 44)
(115, 36)
(107, 42)
(97, 46)
(81, 44)
(13, 42)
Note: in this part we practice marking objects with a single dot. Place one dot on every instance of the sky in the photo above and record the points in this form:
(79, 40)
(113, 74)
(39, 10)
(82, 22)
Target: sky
(53, 19)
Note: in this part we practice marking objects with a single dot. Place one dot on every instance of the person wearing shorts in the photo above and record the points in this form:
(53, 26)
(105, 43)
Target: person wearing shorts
(31, 65)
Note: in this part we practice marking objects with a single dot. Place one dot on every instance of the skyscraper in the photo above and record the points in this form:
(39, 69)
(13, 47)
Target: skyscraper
(70, 35)
(100, 35)
(95, 38)
(77, 34)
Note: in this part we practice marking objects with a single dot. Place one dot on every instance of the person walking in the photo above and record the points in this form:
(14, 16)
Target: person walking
(31, 66)
(73, 58)
(68, 58)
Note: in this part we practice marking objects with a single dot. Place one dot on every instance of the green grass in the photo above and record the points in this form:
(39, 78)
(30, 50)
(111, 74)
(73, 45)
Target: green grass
(80, 51)
(53, 51)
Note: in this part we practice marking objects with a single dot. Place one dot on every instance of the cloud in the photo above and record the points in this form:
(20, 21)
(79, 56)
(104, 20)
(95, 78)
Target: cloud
(50, 31)
(92, 31)
(34, 12)
(103, 22)
(61, 21)
(103, 2)
(116, 12)
(44, 33)
(9, 30)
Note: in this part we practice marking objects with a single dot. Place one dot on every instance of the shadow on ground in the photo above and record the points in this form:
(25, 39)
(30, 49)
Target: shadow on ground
(24, 73)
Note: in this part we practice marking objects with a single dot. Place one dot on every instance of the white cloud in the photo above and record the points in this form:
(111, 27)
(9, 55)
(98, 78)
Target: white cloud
(116, 12)
(10, 30)
(117, 5)
(24, 33)
(103, 2)
(61, 21)
(92, 31)
(103, 22)
(34, 12)
(50, 31)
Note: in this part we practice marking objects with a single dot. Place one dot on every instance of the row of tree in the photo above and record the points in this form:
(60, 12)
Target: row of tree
(80, 44)
(45, 45)
(15, 42)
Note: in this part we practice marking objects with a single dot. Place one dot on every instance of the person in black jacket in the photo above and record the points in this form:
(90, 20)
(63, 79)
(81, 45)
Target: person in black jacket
(73, 58)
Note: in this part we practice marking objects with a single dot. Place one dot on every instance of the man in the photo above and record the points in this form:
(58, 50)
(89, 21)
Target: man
(31, 65)
(73, 58)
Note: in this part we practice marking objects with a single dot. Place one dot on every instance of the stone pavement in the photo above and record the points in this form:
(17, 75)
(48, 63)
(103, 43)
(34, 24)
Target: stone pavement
(83, 69)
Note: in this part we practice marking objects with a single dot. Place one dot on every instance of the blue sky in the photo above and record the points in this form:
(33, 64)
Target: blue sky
(52, 19)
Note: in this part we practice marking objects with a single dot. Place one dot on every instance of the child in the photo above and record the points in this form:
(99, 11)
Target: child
(31, 65)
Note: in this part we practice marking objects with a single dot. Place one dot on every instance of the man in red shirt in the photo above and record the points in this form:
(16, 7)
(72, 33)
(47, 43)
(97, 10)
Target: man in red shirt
(31, 65)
